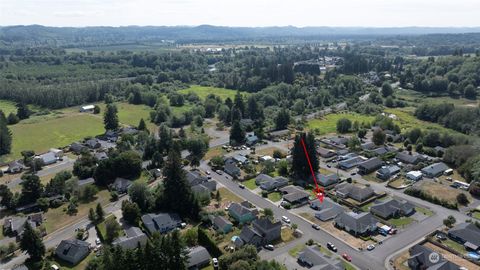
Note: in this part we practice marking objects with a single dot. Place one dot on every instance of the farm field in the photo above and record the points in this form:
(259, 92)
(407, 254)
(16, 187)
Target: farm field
(328, 124)
(204, 91)
(130, 114)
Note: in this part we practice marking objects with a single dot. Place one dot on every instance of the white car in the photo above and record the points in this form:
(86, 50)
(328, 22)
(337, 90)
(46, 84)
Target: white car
(55, 267)
(215, 262)
(97, 241)
(220, 172)
(370, 247)
(285, 219)
(208, 172)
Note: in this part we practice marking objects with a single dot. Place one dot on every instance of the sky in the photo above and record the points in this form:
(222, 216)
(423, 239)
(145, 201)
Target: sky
(369, 13)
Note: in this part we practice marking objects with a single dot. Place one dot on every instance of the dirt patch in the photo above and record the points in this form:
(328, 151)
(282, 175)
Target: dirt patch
(451, 257)
(443, 191)
(269, 151)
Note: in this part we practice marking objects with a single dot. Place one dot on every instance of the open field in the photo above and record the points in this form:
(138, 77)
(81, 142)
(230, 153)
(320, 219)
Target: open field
(274, 196)
(443, 191)
(7, 107)
(328, 124)
(227, 195)
(179, 110)
(130, 114)
(204, 91)
(417, 97)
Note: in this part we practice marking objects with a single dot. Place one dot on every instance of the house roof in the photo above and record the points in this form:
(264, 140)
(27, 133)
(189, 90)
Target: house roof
(121, 183)
(327, 180)
(133, 237)
(367, 145)
(231, 168)
(327, 210)
(239, 209)
(15, 165)
(357, 222)
(240, 158)
(274, 183)
(324, 152)
(389, 207)
(77, 147)
(221, 222)
(154, 222)
(261, 178)
(200, 189)
(92, 143)
(265, 224)
(389, 170)
(383, 150)
(248, 233)
(194, 177)
(73, 248)
(48, 157)
(407, 158)
(420, 258)
(435, 169)
(351, 162)
(197, 256)
(356, 192)
(371, 164)
(314, 257)
(296, 196)
(468, 232)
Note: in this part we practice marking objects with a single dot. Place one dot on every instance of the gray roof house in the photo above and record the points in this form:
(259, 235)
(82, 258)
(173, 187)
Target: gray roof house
(72, 251)
(386, 172)
(356, 224)
(274, 183)
(77, 147)
(198, 257)
(325, 153)
(392, 208)
(194, 177)
(15, 167)
(15, 225)
(409, 159)
(370, 165)
(162, 222)
(261, 178)
(350, 163)
(241, 213)
(48, 158)
(121, 185)
(383, 150)
(251, 139)
(367, 146)
(420, 260)
(270, 231)
(93, 143)
(467, 234)
(327, 180)
(295, 195)
(435, 170)
(248, 235)
(231, 168)
(222, 224)
(100, 156)
(358, 193)
(327, 210)
(134, 236)
(313, 258)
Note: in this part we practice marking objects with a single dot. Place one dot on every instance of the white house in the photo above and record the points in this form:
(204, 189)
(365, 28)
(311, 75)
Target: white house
(58, 153)
(414, 175)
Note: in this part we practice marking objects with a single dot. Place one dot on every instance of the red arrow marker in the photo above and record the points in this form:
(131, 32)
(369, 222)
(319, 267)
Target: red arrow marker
(319, 192)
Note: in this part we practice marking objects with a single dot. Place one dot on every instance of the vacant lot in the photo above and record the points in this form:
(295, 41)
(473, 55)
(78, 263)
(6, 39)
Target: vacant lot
(274, 196)
(204, 91)
(57, 132)
(328, 124)
(269, 151)
(228, 196)
(443, 191)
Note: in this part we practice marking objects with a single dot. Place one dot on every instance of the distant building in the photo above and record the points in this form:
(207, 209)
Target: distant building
(15, 167)
(392, 208)
(325, 153)
(313, 258)
(268, 183)
(350, 163)
(198, 257)
(358, 193)
(263, 231)
(93, 143)
(409, 159)
(241, 213)
(414, 175)
(327, 210)
(420, 258)
(121, 185)
(133, 237)
(47, 158)
(222, 224)
(467, 234)
(72, 251)
(370, 165)
(15, 225)
(231, 168)
(327, 180)
(251, 139)
(295, 195)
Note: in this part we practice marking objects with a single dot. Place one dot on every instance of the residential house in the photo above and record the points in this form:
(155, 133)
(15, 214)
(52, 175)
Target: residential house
(295, 195)
(414, 175)
(261, 178)
(121, 185)
(47, 158)
(111, 136)
(392, 208)
(370, 165)
(268, 183)
(279, 134)
(221, 224)
(251, 139)
(409, 159)
(248, 235)
(356, 192)
(15, 167)
(356, 224)
(383, 150)
(240, 159)
(77, 147)
(336, 142)
(162, 222)
(326, 210)
(15, 225)
(350, 163)
(325, 153)
(313, 258)
(133, 237)
(435, 170)
(241, 213)
(93, 143)
(467, 234)
(87, 108)
(231, 168)
(198, 258)
(199, 183)
(57, 152)
(420, 259)
(368, 146)
(262, 232)
(385, 173)
(327, 180)
(72, 251)
(100, 156)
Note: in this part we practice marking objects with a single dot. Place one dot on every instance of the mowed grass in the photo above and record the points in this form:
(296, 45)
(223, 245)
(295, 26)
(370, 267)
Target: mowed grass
(130, 114)
(328, 124)
(7, 107)
(406, 120)
(58, 132)
(204, 91)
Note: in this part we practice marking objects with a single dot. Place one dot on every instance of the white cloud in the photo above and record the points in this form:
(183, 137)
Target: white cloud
(241, 13)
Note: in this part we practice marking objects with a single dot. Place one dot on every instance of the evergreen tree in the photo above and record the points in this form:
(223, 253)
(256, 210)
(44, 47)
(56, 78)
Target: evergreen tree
(22, 111)
(110, 118)
(282, 120)
(92, 216)
(32, 188)
(12, 119)
(387, 89)
(5, 136)
(32, 243)
(300, 165)
(142, 125)
(99, 212)
(239, 103)
(237, 134)
(378, 137)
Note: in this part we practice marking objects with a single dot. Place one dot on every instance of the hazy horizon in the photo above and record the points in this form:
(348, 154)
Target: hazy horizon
(248, 13)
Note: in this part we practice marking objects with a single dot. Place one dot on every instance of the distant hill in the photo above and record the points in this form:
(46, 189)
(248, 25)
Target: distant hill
(88, 36)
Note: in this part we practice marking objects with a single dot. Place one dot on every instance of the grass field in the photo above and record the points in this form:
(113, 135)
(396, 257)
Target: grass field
(416, 97)
(58, 132)
(274, 196)
(401, 221)
(294, 251)
(443, 191)
(227, 195)
(129, 114)
(178, 110)
(328, 124)
(204, 91)
(7, 107)
(250, 184)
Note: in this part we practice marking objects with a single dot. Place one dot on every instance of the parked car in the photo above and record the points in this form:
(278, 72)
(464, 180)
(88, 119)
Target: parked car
(316, 227)
(269, 247)
(241, 186)
(332, 247)
(329, 166)
(441, 236)
(215, 263)
(55, 267)
(353, 173)
(208, 172)
(285, 219)
(370, 247)
(97, 241)
(347, 257)
(220, 172)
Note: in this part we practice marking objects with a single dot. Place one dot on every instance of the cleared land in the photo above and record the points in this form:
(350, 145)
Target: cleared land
(443, 191)
(130, 114)
(328, 124)
(204, 91)
(7, 107)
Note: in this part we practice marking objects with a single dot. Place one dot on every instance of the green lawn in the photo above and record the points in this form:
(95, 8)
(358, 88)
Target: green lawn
(328, 124)
(425, 211)
(204, 91)
(348, 266)
(250, 184)
(294, 251)
(7, 107)
(401, 222)
(227, 195)
(454, 245)
(274, 196)
(58, 132)
(130, 114)
(102, 228)
(179, 110)
(476, 214)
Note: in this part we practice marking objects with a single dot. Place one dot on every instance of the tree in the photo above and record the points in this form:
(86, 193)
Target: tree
(300, 165)
(112, 229)
(130, 212)
(84, 167)
(217, 161)
(5, 136)
(99, 212)
(387, 89)
(282, 167)
(361, 133)
(110, 118)
(344, 125)
(268, 212)
(22, 111)
(31, 242)
(462, 199)
(32, 188)
(96, 109)
(12, 119)
(239, 103)
(378, 137)
(197, 149)
(7, 197)
(142, 125)
(92, 216)
(237, 134)
(282, 120)
(140, 195)
(449, 221)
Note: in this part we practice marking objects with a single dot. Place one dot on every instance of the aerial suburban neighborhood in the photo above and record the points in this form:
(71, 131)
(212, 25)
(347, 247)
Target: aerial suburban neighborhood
(230, 148)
